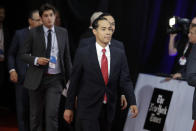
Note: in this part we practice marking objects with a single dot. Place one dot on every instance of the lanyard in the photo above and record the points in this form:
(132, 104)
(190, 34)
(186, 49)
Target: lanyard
(186, 48)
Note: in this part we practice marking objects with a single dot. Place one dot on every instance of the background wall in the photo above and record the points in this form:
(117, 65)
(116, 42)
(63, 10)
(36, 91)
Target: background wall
(140, 24)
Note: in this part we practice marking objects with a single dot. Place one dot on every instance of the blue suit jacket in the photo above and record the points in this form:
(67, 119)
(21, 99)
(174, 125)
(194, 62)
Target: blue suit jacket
(117, 44)
(87, 82)
(14, 61)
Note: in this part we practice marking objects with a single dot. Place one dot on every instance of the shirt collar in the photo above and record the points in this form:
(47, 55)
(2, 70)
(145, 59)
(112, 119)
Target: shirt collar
(46, 29)
(99, 48)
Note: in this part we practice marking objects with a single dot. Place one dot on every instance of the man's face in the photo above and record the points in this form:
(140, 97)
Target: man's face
(192, 35)
(112, 22)
(35, 21)
(48, 18)
(103, 33)
(58, 19)
(2, 15)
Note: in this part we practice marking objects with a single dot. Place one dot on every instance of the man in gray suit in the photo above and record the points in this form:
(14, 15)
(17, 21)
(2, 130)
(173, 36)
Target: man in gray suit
(46, 50)
(191, 67)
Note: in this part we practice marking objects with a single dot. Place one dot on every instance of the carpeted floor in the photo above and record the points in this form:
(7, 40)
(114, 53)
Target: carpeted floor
(7, 120)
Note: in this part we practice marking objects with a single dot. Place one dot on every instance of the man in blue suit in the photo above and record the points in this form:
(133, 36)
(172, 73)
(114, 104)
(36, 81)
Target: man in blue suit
(121, 113)
(17, 70)
(98, 74)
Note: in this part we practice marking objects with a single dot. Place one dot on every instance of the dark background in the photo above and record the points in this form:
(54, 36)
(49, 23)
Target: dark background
(140, 24)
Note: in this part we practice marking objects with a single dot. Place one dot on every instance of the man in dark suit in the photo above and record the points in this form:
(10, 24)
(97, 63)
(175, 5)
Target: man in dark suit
(191, 68)
(122, 111)
(46, 50)
(98, 72)
(17, 70)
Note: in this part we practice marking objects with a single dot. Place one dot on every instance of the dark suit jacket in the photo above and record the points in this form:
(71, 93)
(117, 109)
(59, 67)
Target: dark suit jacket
(114, 43)
(14, 61)
(87, 82)
(191, 75)
(35, 45)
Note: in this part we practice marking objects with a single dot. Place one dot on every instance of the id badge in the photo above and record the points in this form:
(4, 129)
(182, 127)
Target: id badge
(52, 63)
(182, 60)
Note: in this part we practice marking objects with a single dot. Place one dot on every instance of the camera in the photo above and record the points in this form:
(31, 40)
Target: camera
(178, 25)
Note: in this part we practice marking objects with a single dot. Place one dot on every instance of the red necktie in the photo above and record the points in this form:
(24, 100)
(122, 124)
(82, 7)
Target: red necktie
(194, 126)
(104, 70)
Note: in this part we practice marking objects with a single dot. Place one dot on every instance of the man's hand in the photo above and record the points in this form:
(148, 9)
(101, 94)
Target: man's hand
(123, 102)
(42, 61)
(177, 75)
(173, 36)
(134, 111)
(14, 76)
(68, 116)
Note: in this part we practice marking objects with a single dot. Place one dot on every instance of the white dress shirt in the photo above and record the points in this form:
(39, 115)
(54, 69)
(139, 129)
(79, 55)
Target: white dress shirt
(54, 50)
(100, 53)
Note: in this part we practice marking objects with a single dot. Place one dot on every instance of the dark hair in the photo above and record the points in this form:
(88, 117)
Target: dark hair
(30, 16)
(95, 23)
(105, 14)
(45, 7)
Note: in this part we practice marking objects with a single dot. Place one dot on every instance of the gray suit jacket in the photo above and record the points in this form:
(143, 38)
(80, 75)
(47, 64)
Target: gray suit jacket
(191, 76)
(35, 45)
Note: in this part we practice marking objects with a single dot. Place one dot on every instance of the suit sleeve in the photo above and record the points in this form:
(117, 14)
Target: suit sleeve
(12, 52)
(74, 81)
(126, 84)
(25, 51)
(68, 63)
(191, 70)
(122, 47)
(131, 99)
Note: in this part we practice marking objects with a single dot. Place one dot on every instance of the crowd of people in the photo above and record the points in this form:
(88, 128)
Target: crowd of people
(94, 92)
(52, 95)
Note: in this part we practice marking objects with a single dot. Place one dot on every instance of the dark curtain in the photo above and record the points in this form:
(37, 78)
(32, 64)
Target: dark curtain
(140, 24)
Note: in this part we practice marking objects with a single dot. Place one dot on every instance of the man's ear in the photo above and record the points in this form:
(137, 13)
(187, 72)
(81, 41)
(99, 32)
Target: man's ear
(30, 21)
(94, 31)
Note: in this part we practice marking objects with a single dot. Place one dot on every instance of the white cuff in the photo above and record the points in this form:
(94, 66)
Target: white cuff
(35, 62)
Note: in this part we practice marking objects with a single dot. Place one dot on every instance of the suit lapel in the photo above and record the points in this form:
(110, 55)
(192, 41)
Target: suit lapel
(95, 62)
(59, 40)
(42, 37)
(112, 62)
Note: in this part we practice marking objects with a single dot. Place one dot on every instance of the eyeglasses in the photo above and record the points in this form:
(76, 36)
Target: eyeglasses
(37, 20)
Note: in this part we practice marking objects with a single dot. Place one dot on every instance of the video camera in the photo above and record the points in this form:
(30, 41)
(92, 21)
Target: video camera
(178, 25)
